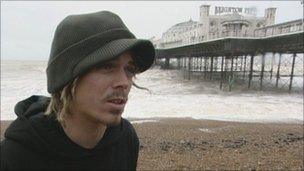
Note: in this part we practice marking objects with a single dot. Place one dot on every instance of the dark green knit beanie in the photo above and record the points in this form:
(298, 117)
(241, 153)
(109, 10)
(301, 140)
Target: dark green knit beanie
(83, 41)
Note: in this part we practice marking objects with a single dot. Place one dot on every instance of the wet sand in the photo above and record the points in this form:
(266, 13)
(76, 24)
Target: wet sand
(188, 144)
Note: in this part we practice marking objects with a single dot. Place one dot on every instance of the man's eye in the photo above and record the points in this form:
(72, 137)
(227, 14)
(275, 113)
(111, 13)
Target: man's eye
(105, 67)
(108, 67)
(131, 71)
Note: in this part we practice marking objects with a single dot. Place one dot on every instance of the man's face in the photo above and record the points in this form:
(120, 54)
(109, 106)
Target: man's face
(101, 94)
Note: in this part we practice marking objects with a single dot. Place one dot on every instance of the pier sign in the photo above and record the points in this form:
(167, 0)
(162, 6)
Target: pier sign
(226, 10)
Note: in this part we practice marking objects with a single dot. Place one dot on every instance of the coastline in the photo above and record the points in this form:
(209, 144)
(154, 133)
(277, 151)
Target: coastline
(192, 144)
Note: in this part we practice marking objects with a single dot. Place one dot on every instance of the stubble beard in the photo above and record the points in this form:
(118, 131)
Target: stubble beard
(117, 117)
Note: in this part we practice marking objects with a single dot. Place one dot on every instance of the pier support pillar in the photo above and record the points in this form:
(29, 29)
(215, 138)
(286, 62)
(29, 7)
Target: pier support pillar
(241, 67)
(201, 63)
(278, 71)
(211, 67)
(189, 67)
(184, 63)
(231, 79)
(272, 61)
(167, 63)
(178, 63)
(262, 71)
(251, 68)
(292, 70)
(245, 60)
(205, 67)
(222, 73)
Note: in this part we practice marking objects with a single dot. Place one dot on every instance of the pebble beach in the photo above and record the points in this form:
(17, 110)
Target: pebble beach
(189, 144)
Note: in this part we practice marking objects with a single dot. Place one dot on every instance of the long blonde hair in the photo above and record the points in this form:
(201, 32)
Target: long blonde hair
(61, 101)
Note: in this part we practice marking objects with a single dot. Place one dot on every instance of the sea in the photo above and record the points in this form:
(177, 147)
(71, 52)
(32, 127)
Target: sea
(170, 95)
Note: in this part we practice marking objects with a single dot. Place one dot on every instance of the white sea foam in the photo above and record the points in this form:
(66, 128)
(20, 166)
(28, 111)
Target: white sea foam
(206, 130)
(143, 121)
(171, 96)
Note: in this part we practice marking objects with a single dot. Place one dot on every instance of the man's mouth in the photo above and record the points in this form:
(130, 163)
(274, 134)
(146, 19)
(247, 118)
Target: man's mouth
(117, 101)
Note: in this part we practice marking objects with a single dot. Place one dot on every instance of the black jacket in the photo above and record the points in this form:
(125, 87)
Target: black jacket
(35, 141)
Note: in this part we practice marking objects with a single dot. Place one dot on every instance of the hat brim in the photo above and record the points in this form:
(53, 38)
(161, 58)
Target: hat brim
(143, 50)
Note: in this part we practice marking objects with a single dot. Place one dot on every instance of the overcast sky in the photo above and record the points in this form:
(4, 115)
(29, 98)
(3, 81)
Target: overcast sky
(27, 27)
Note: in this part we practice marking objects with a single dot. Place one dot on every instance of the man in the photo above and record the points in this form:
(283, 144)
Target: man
(93, 59)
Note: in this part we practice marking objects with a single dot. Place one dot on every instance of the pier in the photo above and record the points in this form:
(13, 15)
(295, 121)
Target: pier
(262, 63)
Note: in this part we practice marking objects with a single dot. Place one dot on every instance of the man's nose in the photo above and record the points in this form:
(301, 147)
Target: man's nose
(121, 80)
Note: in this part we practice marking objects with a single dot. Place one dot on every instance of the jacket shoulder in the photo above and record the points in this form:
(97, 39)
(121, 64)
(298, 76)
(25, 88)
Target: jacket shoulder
(130, 130)
(15, 156)
(133, 141)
